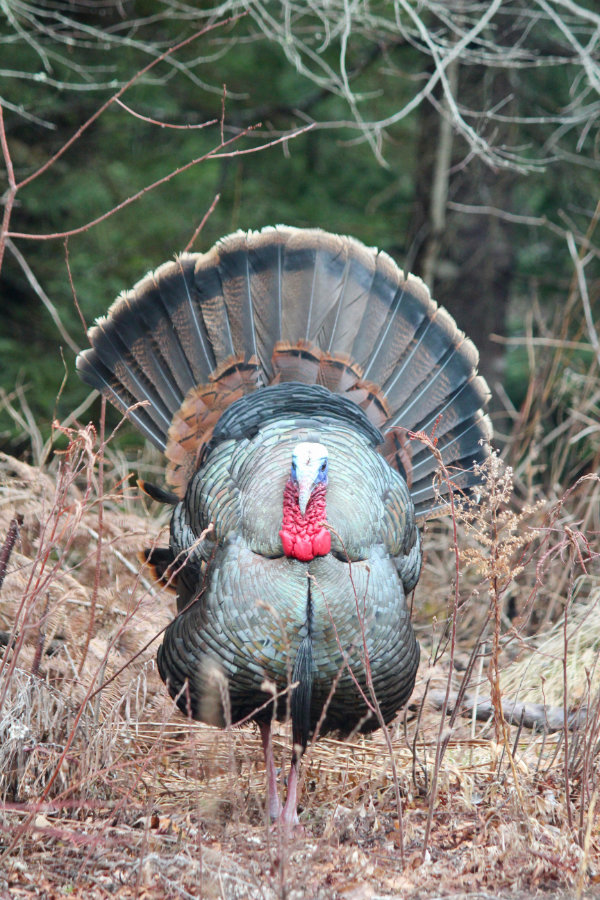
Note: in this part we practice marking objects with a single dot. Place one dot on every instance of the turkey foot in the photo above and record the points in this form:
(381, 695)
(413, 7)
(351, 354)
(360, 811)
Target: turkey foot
(286, 816)
(289, 813)
(288, 821)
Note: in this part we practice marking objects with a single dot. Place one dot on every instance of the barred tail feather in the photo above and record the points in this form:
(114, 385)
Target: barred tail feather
(286, 304)
(93, 371)
(177, 322)
(346, 319)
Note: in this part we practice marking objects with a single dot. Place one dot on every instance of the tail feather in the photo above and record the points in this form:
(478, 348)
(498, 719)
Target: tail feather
(313, 269)
(297, 362)
(127, 335)
(338, 373)
(291, 305)
(178, 323)
(236, 285)
(210, 300)
(443, 379)
(127, 374)
(461, 451)
(94, 372)
(423, 354)
(431, 497)
(459, 407)
(410, 310)
(385, 278)
(266, 251)
(344, 322)
(458, 443)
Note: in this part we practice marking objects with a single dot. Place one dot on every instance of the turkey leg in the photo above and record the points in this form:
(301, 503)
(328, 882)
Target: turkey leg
(273, 801)
(289, 813)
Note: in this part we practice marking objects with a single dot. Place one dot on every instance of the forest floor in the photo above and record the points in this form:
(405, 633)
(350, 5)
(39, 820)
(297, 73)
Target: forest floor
(107, 791)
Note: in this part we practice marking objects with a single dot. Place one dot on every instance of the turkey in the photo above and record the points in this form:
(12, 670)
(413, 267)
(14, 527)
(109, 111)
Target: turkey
(281, 373)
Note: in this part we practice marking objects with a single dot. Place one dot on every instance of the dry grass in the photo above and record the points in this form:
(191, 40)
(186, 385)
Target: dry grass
(107, 790)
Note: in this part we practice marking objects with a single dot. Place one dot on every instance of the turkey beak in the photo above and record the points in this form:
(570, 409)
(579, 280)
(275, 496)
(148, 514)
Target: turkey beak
(304, 491)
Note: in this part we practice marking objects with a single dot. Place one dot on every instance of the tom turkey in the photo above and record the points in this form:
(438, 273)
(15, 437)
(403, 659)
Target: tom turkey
(280, 373)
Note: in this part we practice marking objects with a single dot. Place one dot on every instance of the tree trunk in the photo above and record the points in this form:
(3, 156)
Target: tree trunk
(465, 258)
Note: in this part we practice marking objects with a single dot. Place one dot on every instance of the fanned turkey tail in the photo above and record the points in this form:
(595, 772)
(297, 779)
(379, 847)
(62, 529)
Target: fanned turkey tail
(293, 305)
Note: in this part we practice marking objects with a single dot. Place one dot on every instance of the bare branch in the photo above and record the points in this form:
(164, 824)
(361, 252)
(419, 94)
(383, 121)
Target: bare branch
(152, 121)
(42, 295)
(9, 198)
(215, 153)
(118, 94)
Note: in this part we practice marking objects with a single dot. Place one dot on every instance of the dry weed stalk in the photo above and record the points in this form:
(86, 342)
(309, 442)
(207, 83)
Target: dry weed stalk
(55, 541)
(509, 551)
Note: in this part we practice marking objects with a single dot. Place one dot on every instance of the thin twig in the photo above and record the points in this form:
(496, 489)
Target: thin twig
(205, 218)
(43, 296)
(94, 598)
(9, 197)
(151, 121)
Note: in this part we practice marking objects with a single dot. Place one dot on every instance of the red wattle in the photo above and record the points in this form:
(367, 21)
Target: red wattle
(287, 541)
(304, 536)
(321, 542)
(303, 550)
